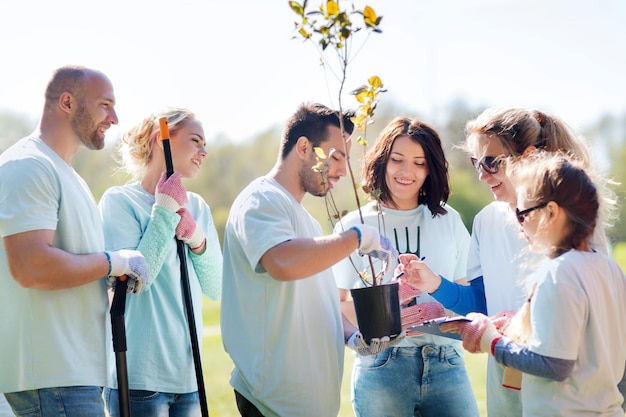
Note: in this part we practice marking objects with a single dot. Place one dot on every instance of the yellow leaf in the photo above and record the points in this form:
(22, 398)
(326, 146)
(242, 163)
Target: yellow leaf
(369, 15)
(297, 8)
(320, 152)
(332, 8)
(362, 97)
(375, 82)
(304, 33)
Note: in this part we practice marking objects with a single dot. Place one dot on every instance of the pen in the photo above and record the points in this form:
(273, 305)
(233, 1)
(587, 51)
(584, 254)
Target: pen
(402, 273)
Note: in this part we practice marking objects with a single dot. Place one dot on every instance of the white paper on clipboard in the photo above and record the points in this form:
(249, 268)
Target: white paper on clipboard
(432, 326)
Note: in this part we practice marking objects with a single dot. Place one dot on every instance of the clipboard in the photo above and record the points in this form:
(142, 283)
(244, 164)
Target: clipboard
(432, 327)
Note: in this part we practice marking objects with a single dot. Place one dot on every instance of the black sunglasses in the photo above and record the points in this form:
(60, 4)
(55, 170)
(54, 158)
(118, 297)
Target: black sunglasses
(521, 215)
(491, 164)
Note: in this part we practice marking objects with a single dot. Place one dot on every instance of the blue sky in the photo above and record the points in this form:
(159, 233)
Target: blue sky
(234, 63)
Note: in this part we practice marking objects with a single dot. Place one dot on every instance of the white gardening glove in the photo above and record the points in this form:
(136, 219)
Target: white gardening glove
(132, 264)
(358, 344)
(372, 243)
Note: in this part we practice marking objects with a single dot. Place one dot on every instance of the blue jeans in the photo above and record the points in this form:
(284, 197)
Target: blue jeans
(154, 404)
(425, 381)
(58, 402)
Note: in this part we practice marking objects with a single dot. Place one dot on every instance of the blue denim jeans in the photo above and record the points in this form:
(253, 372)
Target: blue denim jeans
(425, 381)
(154, 404)
(58, 402)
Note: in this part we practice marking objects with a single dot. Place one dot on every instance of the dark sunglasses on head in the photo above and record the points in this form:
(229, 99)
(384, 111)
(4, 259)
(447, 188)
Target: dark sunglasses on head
(491, 164)
(521, 215)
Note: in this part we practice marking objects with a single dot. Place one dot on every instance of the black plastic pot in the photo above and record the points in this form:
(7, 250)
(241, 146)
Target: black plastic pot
(377, 310)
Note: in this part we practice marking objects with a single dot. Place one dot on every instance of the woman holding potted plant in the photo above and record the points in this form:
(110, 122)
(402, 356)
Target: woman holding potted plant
(406, 174)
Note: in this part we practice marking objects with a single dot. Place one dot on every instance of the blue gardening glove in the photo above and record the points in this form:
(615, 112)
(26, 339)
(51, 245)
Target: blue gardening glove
(358, 344)
(130, 263)
(372, 243)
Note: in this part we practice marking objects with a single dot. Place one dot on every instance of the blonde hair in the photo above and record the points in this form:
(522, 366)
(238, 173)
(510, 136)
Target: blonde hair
(136, 144)
(518, 128)
(559, 177)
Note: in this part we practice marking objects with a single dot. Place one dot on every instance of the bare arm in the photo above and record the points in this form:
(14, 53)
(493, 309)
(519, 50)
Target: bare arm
(348, 328)
(301, 258)
(347, 305)
(35, 263)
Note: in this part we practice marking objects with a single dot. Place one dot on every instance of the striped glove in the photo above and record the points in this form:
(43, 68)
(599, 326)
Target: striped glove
(419, 313)
(479, 335)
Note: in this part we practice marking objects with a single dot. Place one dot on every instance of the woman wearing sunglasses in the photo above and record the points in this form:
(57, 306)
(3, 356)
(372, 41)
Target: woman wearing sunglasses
(498, 255)
(569, 341)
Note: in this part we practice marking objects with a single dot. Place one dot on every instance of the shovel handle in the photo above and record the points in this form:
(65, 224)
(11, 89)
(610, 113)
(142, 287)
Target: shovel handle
(165, 137)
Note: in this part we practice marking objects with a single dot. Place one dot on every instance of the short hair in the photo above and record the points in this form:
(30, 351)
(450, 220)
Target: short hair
(312, 120)
(70, 79)
(436, 188)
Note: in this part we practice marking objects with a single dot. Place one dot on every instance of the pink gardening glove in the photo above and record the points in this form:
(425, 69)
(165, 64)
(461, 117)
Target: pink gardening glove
(188, 232)
(407, 293)
(418, 314)
(502, 320)
(479, 335)
(170, 192)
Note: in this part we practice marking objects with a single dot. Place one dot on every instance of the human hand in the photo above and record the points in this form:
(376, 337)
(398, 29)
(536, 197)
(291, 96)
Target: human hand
(416, 273)
(406, 293)
(188, 232)
(502, 320)
(132, 264)
(376, 345)
(372, 243)
(170, 192)
(479, 334)
(418, 314)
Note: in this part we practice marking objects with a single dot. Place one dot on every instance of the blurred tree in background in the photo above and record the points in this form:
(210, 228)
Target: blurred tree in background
(230, 166)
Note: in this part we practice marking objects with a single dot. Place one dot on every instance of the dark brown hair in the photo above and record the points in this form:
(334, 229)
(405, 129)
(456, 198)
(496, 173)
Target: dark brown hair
(436, 188)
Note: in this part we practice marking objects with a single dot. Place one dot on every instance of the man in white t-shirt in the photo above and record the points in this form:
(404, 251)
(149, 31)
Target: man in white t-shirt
(280, 317)
(55, 330)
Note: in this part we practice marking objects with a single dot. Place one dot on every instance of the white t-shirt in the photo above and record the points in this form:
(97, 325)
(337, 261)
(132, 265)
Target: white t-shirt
(500, 254)
(442, 240)
(50, 338)
(5, 408)
(285, 338)
(577, 313)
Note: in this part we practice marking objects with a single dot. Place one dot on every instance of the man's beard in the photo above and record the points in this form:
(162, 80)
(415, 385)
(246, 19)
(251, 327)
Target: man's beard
(84, 129)
(311, 180)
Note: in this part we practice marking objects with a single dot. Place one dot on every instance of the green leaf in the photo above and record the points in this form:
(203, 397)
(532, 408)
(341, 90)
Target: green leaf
(297, 8)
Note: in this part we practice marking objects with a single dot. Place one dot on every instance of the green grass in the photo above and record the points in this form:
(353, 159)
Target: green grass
(217, 366)
(619, 254)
